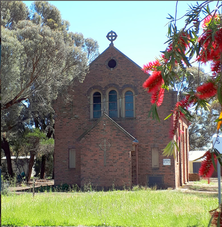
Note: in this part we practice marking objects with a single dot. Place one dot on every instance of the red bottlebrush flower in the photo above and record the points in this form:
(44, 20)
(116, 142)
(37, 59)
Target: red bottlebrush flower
(210, 49)
(218, 39)
(170, 48)
(208, 19)
(216, 67)
(176, 117)
(206, 170)
(182, 39)
(153, 82)
(215, 215)
(157, 97)
(206, 91)
(151, 66)
(185, 102)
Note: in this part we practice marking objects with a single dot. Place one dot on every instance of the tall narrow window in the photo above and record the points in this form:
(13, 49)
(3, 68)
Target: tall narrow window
(113, 104)
(129, 104)
(72, 158)
(155, 158)
(96, 105)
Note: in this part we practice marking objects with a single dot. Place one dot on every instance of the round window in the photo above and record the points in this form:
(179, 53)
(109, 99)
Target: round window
(112, 63)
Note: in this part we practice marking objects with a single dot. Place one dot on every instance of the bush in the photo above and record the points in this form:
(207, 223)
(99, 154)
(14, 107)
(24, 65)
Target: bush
(4, 186)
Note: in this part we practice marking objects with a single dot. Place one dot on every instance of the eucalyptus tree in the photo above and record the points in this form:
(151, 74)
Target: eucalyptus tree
(39, 59)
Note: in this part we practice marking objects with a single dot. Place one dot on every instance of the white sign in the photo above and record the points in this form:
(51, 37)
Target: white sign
(166, 162)
(217, 142)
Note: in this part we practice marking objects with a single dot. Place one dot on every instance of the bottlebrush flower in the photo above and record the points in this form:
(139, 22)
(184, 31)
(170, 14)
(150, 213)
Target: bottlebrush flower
(176, 117)
(210, 49)
(206, 170)
(206, 90)
(185, 103)
(153, 82)
(157, 97)
(218, 39)
(151, 66)
(208, 19)
(216, 67)
(214, 221)
(182, 39)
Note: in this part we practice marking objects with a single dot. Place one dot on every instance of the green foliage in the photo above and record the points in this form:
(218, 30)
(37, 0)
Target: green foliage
(170, 148)
(50, 141)
(39, 58)
(36, 133)
(12, 12)
(200, 133)
(154, 113)
(39, 61)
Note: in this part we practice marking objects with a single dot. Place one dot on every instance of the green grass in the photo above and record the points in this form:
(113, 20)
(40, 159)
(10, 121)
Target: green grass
(205, 182)
(115, 208)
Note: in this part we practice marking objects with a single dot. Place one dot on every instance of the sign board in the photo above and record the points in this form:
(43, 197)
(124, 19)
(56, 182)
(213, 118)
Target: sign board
(217, 142)
(166, 162)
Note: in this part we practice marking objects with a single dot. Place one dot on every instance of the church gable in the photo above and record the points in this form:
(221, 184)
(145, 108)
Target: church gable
(106, 155)
(106, 122)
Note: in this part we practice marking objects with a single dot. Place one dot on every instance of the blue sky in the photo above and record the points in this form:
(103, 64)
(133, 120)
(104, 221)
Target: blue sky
(140, 25)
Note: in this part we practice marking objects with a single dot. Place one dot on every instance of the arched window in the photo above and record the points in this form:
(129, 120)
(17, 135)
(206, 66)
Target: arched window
(96, 105)
(129, 107)
(113, 109)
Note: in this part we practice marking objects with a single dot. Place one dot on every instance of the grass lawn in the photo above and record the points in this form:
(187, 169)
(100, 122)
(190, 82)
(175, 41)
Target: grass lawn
(114, 208)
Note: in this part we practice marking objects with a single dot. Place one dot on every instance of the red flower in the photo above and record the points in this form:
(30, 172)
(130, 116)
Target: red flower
(182, 40)
(206, 91)
(157, 97)
(218, 39)
(206, 170)
(208, 19)
(154, 82)
(216, 67)
(151, 66)
(184, 103)
(176, 117)
(210, 49)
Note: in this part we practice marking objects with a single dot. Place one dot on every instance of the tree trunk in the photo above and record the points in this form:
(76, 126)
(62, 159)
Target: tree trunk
(42, 173)
(6, 148)
(31, 163)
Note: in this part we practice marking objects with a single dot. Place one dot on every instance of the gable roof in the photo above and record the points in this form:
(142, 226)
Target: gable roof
(112, 46)
(113, 122)
(193, 155)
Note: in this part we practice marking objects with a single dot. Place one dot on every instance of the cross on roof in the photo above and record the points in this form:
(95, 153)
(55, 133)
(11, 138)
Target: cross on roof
(111, 36)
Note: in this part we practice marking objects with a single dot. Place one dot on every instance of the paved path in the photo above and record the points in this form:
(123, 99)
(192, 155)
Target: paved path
(38, 184)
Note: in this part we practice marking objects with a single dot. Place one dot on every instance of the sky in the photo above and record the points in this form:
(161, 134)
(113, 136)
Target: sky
(140, 25)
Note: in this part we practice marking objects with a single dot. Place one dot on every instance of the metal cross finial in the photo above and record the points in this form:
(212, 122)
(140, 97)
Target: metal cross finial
(111, 36)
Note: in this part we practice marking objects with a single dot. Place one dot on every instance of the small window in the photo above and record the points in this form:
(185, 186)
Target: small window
(129, 104)
(155, 158)
(72, 158)
(113, 111)
(96, 105)
(112, 63)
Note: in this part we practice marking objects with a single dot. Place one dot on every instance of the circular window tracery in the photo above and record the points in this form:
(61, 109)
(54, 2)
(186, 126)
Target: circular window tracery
(112, 63)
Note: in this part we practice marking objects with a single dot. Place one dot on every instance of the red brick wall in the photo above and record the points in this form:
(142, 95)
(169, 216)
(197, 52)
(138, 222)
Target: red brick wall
(116, 168)
(73, 119)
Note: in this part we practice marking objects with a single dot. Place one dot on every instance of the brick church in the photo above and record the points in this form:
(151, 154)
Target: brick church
(104, 135)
